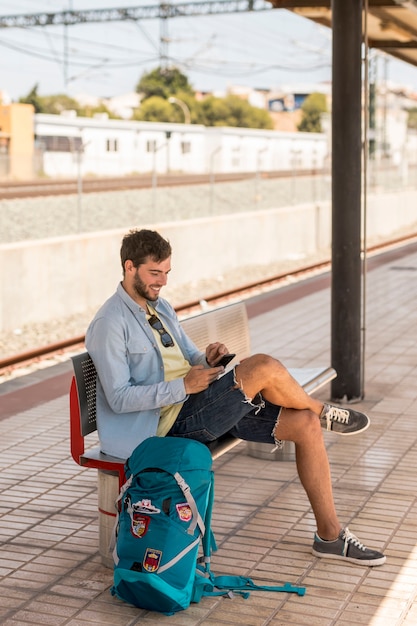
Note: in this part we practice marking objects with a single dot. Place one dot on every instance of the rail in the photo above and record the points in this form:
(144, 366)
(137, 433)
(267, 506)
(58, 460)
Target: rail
(37, 188)
(220, 299)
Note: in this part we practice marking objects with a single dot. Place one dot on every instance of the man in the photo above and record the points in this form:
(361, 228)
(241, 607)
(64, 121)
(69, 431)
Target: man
(152, 380)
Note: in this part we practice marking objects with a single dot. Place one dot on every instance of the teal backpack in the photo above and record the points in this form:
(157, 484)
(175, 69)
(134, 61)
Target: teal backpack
(163, 535)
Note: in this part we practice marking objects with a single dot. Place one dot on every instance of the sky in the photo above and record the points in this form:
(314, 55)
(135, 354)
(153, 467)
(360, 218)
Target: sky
(262, 49)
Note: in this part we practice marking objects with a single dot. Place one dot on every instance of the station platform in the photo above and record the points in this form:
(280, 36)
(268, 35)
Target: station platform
(50, 567)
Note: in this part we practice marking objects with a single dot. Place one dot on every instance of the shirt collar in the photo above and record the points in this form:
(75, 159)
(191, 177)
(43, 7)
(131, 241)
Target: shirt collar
(133, 306)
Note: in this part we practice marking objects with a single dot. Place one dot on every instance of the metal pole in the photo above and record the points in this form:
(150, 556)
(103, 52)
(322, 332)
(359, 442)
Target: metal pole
(79, 153)
(154, 172)
(258, 174)
(346, 200)
(154, 178)
(183, 107)
(366, 145)
(213, 154)
(66, 49)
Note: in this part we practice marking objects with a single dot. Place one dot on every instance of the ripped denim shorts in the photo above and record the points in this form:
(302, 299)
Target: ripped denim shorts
(224, 408)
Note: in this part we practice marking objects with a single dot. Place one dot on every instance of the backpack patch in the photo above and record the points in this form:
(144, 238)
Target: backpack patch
(140, 524)
(151, 560)
(184, 512)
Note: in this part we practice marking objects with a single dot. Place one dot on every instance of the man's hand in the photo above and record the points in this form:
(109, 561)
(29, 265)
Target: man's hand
(199, 378)
(214, 353)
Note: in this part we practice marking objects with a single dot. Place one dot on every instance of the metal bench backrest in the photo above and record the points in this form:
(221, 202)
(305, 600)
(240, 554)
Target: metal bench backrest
(86, 378)
(228, 324)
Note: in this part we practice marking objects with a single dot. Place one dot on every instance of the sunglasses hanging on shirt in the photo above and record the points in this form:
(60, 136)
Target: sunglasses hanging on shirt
(166, 338)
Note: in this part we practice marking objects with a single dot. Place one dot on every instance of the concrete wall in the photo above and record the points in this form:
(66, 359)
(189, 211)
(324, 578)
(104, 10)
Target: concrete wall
(52, 278)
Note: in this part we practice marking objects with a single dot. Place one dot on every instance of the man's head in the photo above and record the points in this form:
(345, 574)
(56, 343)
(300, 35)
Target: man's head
(146, 262)
(139, 245)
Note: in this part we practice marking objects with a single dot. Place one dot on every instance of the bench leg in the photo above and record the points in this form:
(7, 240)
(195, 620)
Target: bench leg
(264, 451)
(108, 490)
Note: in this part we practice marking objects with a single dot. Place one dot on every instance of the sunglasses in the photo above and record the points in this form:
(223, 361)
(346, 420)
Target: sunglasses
(166, 338)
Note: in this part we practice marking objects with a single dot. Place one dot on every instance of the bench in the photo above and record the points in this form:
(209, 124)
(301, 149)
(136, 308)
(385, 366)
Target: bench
(228, 324)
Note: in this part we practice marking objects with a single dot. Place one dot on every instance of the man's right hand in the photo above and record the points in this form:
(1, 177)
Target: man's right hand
(199, 378)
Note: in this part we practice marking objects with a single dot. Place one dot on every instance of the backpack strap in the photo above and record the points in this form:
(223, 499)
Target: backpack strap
(243, 585)
(209, 542)
(112, 543)
(196, 519)
(179, 556)
(205, 584)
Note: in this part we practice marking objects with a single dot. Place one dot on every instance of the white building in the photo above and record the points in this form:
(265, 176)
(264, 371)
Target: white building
(68, 145)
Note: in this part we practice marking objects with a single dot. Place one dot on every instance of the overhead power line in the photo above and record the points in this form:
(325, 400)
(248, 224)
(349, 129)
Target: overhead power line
(159, 11)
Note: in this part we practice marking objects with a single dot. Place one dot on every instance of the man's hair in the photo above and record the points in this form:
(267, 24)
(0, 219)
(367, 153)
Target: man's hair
(138, 245)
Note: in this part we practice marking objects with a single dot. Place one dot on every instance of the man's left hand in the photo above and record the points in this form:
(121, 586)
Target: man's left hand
(214, 353)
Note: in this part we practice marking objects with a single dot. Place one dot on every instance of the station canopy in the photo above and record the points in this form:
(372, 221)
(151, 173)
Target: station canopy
(391, 24)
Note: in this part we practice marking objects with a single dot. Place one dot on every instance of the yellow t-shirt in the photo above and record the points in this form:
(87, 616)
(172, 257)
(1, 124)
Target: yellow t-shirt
(175, 366)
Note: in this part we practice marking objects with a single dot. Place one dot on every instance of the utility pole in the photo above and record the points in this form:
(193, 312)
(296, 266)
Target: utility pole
(66, 50)
(163, 43)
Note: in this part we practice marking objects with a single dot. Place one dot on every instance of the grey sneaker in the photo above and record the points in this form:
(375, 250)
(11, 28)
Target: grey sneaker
(343, 421)
(347, 547)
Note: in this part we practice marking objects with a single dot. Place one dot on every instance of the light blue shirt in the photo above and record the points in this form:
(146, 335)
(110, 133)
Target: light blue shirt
(131, 389)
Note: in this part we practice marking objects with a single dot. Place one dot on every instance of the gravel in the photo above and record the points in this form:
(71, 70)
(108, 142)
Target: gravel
(53, 216)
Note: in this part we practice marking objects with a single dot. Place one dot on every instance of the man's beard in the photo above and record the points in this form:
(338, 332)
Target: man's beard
(140, 288)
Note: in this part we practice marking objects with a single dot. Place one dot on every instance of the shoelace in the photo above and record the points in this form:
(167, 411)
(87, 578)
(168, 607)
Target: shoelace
(335, 414)
(350, 539)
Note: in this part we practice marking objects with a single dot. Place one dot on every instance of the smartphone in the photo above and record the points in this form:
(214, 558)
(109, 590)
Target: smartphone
(226, 358)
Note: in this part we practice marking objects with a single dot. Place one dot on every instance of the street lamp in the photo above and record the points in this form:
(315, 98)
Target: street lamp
(183, 106)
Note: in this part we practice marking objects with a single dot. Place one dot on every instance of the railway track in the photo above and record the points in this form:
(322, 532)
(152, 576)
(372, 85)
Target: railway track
(37, 188)
(245, 292)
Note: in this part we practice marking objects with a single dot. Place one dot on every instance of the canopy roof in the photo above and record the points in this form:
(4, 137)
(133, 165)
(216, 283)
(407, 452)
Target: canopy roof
(391, 24)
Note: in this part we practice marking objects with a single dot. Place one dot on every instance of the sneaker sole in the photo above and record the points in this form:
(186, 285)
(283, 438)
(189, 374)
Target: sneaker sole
(339, 557)
(354, 432)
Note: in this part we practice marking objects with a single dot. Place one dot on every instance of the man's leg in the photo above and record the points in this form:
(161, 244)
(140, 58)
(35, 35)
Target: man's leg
(263, 374)
(331, 540)
(303, 428)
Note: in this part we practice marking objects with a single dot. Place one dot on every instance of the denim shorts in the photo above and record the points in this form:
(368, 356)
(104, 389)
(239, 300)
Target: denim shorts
(224, 408)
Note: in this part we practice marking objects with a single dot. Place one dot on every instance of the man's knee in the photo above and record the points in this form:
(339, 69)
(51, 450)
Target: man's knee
(263, 364)
(298, 425)
(258, 373)
(311, 424)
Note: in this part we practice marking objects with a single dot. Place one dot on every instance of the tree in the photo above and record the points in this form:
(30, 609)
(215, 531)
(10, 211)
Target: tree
(49, 104)
(312, 108)
(55, 104)
(154, 109)
(160, 84)
(233, 111)
(90, 111)
(58, 103)
(163, 82)
(212, 111)
(34, 99)
(412, 118)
